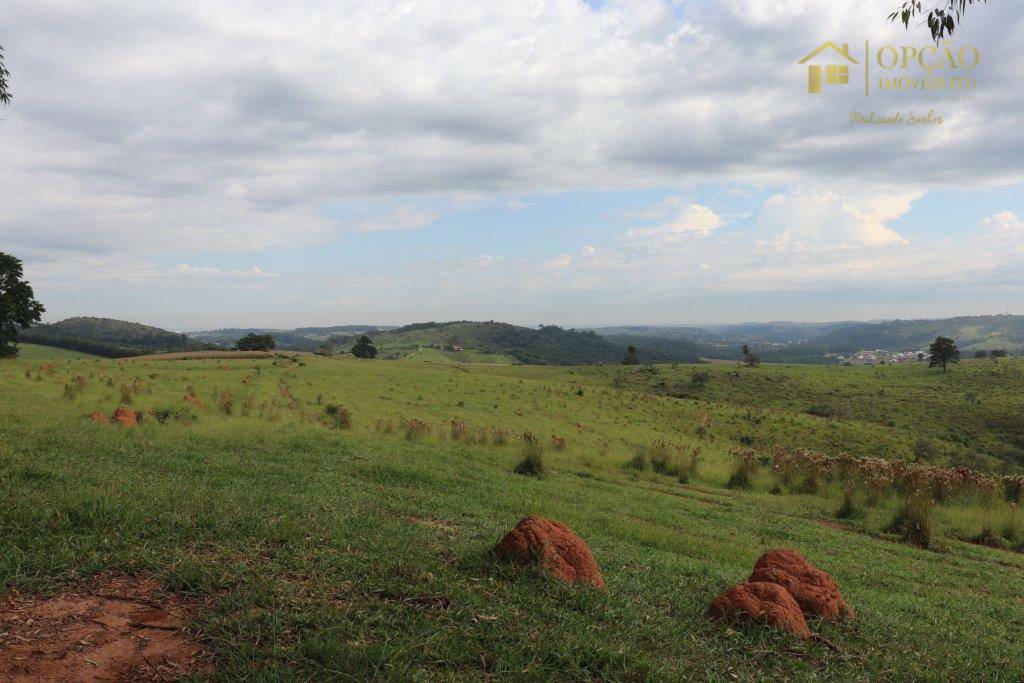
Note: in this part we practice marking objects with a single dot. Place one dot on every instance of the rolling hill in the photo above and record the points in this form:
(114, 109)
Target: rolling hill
(108, 337)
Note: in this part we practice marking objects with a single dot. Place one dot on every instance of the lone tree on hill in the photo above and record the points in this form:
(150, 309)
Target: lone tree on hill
(255, 342)
(750, 359)
(364, 348)
(18, 306)
(943, 352)
(630, 357)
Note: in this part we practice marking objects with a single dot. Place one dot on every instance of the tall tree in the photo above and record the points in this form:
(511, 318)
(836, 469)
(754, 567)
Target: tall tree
(364, 348)
(942, 19)
(18, 306)
(5, 88)
(943, 352)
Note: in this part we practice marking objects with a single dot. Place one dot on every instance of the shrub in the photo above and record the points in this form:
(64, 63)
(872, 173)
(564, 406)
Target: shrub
(459, 430)
(226, 403)
(822, 410)
(557, 443)
(499, 436)
(914, 520)
(849, 508)
(686, 464)
(416, 428)
(126, 395)
(338, 416)
(637, 462)
(744, 466)
(180, 414)
(532, 463)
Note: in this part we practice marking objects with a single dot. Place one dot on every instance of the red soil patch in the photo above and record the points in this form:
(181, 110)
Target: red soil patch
(554, 547)
(760, 603)
(814, 590)
(97, 416)
(120, 628)
(127, 416)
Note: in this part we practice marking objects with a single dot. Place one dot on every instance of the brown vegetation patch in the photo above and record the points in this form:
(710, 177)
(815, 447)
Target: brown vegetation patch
(760, 603)
(554, 547)
(813, 589)
(119, 628)
(97, 416)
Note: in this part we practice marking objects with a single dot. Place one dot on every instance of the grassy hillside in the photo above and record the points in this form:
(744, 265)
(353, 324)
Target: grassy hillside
(324, 553)
(548, 345)
(107, 337)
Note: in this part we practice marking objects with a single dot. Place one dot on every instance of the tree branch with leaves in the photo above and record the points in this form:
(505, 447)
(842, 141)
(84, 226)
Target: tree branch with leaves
(942, 19)
(5, 88)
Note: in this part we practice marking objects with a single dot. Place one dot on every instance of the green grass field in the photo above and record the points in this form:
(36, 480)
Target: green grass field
(324, 553)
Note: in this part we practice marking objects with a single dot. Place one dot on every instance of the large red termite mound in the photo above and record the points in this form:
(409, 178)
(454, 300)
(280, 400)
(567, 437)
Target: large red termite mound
(554, 547)
(814, 590)
(759, 602)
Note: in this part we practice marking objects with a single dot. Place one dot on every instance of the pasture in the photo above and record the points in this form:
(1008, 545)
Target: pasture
(318, 549)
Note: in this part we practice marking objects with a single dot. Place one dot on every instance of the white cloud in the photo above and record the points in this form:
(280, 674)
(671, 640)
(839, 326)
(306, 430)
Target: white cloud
(801, 221)
(400, 219)
(1005, 225)
(689, 220)
(208, 271)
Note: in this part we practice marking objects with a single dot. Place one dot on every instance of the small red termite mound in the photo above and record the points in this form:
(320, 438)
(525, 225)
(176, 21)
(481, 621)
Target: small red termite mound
(814, 590)
(554, 547)
(127, 416)
(97, 416)
(759, 602)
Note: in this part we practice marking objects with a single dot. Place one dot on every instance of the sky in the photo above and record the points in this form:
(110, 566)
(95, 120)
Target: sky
(265, 164)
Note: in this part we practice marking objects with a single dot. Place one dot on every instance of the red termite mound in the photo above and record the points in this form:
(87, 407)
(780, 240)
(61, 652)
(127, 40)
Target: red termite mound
(553, 546)
(127, 416)
(759, 602)
(814, 590)
(97, 416)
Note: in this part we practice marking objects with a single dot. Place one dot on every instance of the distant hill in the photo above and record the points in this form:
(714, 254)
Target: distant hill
(107, 337)
(298, 339)
(547, 345)
(970, 332)
(795, 342)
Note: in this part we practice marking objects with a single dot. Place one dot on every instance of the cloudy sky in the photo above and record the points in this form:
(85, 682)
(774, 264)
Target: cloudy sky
(257, 163)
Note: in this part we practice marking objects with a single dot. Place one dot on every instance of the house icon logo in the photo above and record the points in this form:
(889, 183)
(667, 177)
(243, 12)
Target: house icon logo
(835, 74)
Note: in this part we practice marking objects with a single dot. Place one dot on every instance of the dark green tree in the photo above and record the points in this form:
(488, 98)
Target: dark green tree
(18, 306)
(700, 378)
(981, 353)
(998, 353)
(364, 348)
(630, 357)
(5, 88)
(750, 359)
(942, 18)
(255, 342)
(943, 352)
